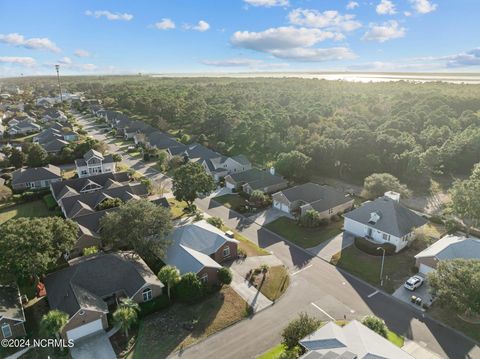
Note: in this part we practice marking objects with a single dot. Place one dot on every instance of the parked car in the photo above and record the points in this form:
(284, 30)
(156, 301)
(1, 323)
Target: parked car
(414, 282)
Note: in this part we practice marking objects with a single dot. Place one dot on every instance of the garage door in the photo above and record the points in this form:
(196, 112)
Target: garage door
(229, 185)
(424, 269)
(280, 206)
(85, 329)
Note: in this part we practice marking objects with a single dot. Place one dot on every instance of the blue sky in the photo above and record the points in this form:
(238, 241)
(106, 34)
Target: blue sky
(184, 36)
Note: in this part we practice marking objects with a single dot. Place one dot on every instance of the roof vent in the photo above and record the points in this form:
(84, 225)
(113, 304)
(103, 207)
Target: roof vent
(374, 217)
(393, 195)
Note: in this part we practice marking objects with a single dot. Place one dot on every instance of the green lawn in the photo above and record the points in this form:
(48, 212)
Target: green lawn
(397, 268)
(276, 282)
(30, 209)
(304, 237)
(448, 316)
(232, 201)
(250, 248)
(177, 208)
(273, 353)
(163, 332)
(396, 339)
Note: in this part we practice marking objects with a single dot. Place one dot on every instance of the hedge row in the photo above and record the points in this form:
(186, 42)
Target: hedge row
(371, 248)
(30, 195)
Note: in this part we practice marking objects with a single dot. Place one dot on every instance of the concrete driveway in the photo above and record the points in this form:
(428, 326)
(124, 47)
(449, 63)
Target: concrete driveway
(269, 215)
(405, 295)
(327, 249)
(96, 346)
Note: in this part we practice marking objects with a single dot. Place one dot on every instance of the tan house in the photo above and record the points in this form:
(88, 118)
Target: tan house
(87, 288)
(12, 318)
(324, 199)
(200, 248)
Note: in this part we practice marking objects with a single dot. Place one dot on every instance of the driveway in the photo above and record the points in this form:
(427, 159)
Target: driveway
(269, 215)
(327, 249)
(96, 346)
(405, 295)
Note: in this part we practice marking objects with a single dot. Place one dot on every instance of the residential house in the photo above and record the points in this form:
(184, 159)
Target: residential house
(352, 341)
(384, 220)
(93, 163)
(447, 248)
(326, 200)
(75, 186)
(135, 128)
(55, 138)
(12, 317)
(158, 140)
(219, 167)
(255, 179)
(35, 178)
(200, 248)
(53, 114)
(91, 284)
(23, 127)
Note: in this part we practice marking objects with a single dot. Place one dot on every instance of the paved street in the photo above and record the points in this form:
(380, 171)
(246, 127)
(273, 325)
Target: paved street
(317, 288)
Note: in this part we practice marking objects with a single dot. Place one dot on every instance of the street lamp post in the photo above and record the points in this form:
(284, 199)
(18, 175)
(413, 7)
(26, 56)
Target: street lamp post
(57, 67)
(383, 261)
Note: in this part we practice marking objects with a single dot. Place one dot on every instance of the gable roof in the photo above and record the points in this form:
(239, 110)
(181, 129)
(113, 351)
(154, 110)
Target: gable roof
(453, 247)
(85, 283)
(321, 198)
(394, 218)
(192, 244)
(256, 178)
(242, 159)
(77, 184)
(54, 145)
(10, 303)
(24, 175)
(353, 340)
(161, 140)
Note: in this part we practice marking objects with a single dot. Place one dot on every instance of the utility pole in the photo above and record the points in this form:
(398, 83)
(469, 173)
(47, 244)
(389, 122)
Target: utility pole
(57, 67)
(383, 261)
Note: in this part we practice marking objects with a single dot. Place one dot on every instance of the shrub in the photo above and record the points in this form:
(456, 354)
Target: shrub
(154, 305)
(310, 219)
(336, 218)
(88, 251)
(451, 226)
(371, 248)
(190, 289)
(198, 216)
(225, 276)
(5, 193)
(376, 324)
(110, 203)
(258, 198)
(49, 201)
(30, 195)
(299, 328)
(215, 221)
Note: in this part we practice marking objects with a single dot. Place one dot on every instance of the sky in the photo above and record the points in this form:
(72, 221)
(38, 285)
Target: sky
(198, 36)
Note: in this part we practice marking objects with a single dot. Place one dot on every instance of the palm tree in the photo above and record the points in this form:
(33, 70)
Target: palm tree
(53, 322)
(126, 314)
(170, 276)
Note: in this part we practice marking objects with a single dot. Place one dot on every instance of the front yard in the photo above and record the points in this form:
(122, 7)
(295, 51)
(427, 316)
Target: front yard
(397, 268)
(232, 201)
(304, 237)
(449, 317)
(164, 332)
(250, 248)
(276, 282)
(36, 208)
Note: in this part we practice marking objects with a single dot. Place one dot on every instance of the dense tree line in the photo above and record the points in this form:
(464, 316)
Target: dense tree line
(412, 131)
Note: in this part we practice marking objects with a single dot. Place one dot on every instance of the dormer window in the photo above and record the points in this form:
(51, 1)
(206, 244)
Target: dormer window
(374, 218)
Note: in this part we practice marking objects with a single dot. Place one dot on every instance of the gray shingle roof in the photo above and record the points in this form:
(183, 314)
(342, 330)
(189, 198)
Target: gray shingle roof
(89, 279)
(395, 218)
(256, 178)
(24, 175)
(453, 247)
(10, 304)
(242, 159)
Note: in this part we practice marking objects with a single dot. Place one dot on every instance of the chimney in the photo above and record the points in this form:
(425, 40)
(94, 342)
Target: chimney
(393, 195)
(272, 170)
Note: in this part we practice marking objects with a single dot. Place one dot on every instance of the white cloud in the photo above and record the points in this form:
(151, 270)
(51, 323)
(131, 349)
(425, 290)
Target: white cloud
(291, 43)
(65, 61)
(81, 53)
(109, 15)
(385, 7)
(464, 59)
(165, 24)
(407, 13)
(330, 19)
(25, 61)
(383, 32)
(201, 26)
(236, 62)
(267, 3)
(352, 5)
(88, 67)
(423, 6)
(35, 43)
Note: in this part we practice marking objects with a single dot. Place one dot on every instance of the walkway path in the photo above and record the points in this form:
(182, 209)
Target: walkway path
(328, 248)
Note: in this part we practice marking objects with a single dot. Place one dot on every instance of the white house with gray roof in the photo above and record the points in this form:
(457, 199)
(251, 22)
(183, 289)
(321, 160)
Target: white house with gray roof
(384, 220)
(352, 341)
(200, 248)
(447, 248)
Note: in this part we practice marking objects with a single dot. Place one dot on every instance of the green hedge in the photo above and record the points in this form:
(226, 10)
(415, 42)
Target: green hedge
(30, 195)
(154, 305)
(371, 248)
(50, 201)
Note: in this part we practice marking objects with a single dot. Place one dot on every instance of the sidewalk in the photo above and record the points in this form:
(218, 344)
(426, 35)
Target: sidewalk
(331, 247)
(418, 351)
(249, 293)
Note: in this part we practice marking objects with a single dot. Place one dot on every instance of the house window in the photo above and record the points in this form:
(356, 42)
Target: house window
(6, 330)
(84, 172)
(82, 312)
(330, 211)
(226, 251)
(147, 294)
(386, 237)
(204, 278)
